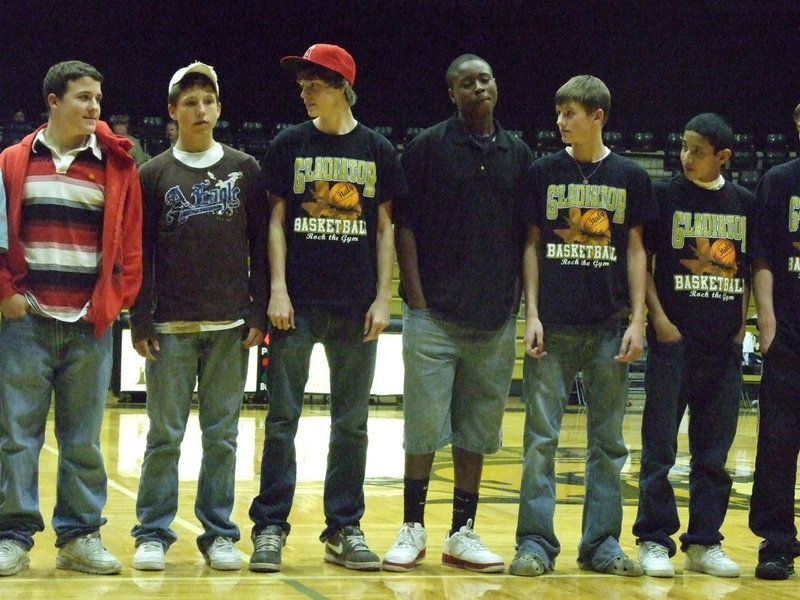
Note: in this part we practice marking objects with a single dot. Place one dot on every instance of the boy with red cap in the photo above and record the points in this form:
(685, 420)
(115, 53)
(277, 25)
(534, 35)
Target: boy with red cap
(331, 183)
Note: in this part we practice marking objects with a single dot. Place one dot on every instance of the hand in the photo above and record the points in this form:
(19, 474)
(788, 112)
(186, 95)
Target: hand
(632, 344)
(376, 319)
(14, 306)
(534, 338)
(148, 348)
(766, 334)
(280, 311)
(254, 338)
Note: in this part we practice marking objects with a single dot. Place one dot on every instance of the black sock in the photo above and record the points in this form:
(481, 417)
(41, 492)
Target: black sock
(415, 492)
(465, 505)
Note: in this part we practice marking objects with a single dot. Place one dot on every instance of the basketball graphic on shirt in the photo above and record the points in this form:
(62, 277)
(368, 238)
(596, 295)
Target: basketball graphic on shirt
(344, 195)
(594, 221)
(590, 228)
(723, 252)
(717, 258)
(340, 201)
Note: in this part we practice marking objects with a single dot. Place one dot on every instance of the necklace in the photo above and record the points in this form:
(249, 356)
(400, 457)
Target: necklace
(586, 177)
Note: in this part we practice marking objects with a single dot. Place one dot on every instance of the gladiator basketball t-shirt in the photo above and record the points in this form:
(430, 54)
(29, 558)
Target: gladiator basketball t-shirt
(700, 247)
(776, 240)
(583, 278)
(333, 185)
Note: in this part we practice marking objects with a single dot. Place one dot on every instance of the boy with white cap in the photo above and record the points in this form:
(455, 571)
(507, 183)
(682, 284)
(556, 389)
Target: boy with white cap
(198, 313)
(331, 248)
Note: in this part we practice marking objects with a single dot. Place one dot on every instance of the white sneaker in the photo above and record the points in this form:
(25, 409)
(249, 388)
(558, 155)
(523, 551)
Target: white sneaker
(88, 555)
(13, 558)
(655, 561)
(408, 549)
(222, 555)
(710, 559)
(464, 549)
(149, 557)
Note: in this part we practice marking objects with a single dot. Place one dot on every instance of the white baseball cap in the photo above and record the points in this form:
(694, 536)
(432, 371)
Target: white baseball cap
(195, 67)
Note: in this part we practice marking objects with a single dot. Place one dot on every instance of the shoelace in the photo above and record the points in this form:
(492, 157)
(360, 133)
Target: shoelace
(267, 542)
(152, 546)
(716, 553)
(8, 547)
(472, 539)
(356, 541)
(221, 543)
(92, 543)
(658, 551)
(405, 538)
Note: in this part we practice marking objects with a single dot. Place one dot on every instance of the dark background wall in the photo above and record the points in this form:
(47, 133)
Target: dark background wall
(663, 61)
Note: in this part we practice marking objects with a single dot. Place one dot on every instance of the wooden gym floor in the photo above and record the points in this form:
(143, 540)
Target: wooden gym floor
(305, 575)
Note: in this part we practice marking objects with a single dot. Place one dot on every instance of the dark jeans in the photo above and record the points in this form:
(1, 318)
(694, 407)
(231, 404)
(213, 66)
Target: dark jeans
(352, 365)
(772, 499)
(710, 384)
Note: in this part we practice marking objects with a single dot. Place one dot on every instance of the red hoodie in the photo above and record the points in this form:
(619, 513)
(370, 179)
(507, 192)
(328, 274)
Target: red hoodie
(121, 268)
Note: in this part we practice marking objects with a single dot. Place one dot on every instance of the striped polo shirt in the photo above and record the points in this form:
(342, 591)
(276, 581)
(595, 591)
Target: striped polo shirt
(62, 225)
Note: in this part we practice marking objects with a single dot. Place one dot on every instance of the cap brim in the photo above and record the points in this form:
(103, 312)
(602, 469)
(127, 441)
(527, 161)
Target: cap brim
(296, 63)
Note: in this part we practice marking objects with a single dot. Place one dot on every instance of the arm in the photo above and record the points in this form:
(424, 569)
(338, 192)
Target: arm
(666, 331)
(739, 338)
(258, 283)
(762, 289)
(633, 339)
(280, 310)
(534, 332)
(409, 267)
(132, 223)
(143, 332)
(377, 317)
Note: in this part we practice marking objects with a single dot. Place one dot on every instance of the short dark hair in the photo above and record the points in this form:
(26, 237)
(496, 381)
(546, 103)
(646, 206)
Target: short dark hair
(453, 68)
(588, 91)
(59, 75)
(713, 128)
(192, 80)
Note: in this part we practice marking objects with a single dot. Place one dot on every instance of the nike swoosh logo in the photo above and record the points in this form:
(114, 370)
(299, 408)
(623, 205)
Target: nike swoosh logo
(338, 548)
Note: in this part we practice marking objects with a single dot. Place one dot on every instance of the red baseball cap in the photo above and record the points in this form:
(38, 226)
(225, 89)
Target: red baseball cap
(331, 57)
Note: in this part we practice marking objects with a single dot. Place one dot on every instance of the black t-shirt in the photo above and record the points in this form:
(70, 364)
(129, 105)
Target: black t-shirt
(701, 267)
(775, 238)
(464, 209)
(583, 278)
(332, 185)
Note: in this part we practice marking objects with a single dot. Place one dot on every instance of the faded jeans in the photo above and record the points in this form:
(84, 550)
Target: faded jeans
(546, 385)
(40, 358)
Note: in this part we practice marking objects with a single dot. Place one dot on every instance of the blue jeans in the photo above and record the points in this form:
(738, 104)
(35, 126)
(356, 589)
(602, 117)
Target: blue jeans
(545, 388)
(352, 365)
(218, 362)
(710, 384)
(40, 357)
(772, 501)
